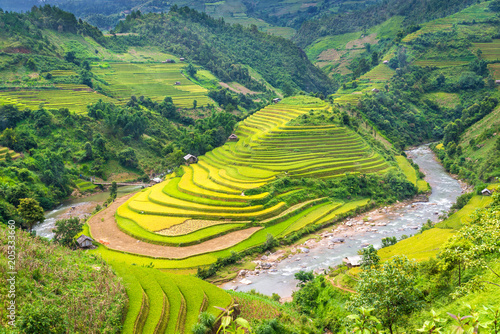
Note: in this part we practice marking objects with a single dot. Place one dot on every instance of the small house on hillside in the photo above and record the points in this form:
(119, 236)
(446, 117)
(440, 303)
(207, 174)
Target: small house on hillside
(169, 61)
(276, 100)
(386, 62)
(156, 180)
(84, 241)
(497, 82)
(191, 159)
(486, 192)
(352, 261)
(182, 59)
(375, 90)
(233, 137)
(177, 83)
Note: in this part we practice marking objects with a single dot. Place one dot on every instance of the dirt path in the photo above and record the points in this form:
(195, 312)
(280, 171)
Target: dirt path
(104, 230)
(338, 286)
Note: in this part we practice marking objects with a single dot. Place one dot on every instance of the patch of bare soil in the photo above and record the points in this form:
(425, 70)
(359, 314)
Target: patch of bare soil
(360, 42)
(104, 229)
(331, 55)
(237, 88)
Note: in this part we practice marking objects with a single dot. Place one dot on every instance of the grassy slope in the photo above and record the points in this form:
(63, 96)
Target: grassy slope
(74, 282)
(411, 174)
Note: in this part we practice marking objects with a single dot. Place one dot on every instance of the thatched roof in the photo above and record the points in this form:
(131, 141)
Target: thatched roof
(81, 239)
(354, 261)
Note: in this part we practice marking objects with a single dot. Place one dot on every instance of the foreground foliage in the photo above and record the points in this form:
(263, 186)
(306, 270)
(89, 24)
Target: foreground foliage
(59, 290)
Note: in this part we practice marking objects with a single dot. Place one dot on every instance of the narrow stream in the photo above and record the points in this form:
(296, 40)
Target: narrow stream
(404, 220)
(80, 207)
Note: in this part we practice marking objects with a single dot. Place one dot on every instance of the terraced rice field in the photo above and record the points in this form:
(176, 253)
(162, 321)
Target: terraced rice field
(166, 303)
(476, 12)
(490, 51)
(187, 220)
(5, 150)
(74, 97)
(154, 80)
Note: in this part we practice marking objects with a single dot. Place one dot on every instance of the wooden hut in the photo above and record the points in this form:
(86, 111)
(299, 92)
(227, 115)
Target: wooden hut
(486, 192)
(233, 137)
(190, 159)
(276, 100)
(182, 59)
(497, 82)
(375, 90)
(169, 61)
(177, 83)
(386, 62)
(352, 261)
(84, 241)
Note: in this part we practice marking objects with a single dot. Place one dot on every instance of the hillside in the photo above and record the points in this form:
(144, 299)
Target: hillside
(280, 18)
(58, 288)
(415, 12)
(240, 197)
(225, 49)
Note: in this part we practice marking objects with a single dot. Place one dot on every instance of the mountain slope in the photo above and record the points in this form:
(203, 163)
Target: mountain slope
(223, 48)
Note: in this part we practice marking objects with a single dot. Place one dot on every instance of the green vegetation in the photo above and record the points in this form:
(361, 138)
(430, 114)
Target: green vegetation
(50, 279)
(223, 49)
(165, 303)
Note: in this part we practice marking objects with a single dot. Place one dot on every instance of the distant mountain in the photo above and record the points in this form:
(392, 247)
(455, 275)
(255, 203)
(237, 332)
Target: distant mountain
(273, 16)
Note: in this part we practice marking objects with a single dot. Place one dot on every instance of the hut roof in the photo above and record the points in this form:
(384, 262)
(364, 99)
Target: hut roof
(81, 239)
(375, 90)
(233, 136)
(189, 156)
(386, 62)
(486, 191)
(355, 261)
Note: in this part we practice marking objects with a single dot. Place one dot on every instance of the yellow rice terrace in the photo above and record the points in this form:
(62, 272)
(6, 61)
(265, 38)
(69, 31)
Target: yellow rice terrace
(227, 201)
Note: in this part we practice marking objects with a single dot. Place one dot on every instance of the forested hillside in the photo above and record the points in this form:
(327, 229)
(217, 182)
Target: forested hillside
(226, 50)
(415, 12)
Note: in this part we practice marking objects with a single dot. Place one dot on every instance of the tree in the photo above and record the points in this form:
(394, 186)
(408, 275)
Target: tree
(128, 158)
(195, 104)
(191, 70)
(66, 230)
(370, 258)
(30, 210)
(454, 254)
(88, 151)
(114, 190)
(390, 290)
(303, 277)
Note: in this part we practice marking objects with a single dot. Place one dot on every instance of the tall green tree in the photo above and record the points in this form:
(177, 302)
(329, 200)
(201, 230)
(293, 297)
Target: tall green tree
(66, 230)
(30, 210)
(390, 290)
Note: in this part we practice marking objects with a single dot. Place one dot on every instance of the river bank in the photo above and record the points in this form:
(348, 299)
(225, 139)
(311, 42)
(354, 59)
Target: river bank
(274, 273)
(81, 207)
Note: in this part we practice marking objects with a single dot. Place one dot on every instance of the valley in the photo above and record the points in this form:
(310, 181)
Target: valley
(289, 167)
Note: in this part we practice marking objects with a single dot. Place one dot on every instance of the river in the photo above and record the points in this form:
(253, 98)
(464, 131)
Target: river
(80, 207)
(401, 220)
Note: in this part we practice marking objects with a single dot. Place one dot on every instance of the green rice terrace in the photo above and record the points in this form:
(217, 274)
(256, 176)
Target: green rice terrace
(217, 206)
(155, 80)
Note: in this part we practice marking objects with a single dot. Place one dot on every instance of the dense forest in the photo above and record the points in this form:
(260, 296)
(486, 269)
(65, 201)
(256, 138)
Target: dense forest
(225, 49)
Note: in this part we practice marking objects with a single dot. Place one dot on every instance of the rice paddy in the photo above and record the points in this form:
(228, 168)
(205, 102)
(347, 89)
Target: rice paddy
(74, 97)
(4, 151)
(209, 203)
(166, 303)
(154, 80)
